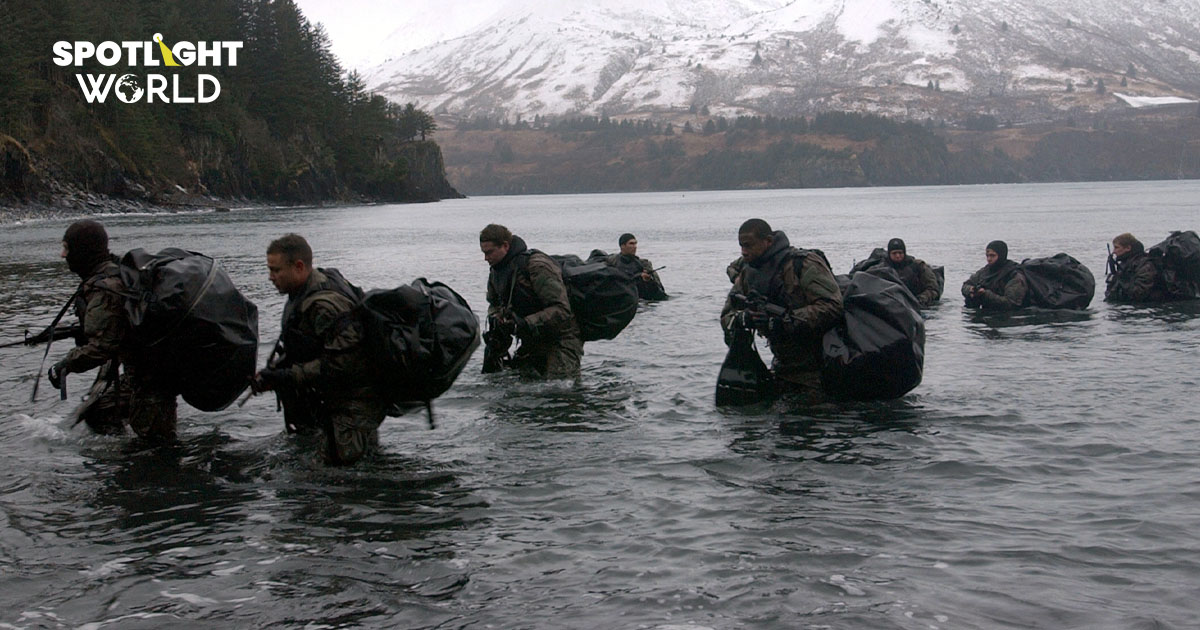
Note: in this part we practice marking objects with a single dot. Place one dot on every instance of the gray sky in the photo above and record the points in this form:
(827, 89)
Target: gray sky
(358, 28)
(355, 27)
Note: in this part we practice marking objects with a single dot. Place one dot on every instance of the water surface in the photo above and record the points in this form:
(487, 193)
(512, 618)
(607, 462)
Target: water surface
(1043, 474)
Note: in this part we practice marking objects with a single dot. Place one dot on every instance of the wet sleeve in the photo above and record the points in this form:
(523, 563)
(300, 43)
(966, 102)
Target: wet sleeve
(1012, 298)
(105, 326)
(493, 299)
(1143, 282)
(929, 285)
(341, 335)
(728, 311)
(548, 285)
(822, 297)
(967, 286)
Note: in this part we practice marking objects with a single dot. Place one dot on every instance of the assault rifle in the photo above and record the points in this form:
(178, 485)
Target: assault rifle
(755, 310)
(50, 333)
(1112, 262)
(497, 340)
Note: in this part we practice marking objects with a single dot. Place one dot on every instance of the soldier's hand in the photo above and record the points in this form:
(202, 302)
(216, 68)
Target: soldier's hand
(521, 328)
(268, 379)
(56, 373)
(753, 320)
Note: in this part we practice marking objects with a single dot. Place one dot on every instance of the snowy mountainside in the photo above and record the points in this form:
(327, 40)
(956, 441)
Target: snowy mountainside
(780, 57)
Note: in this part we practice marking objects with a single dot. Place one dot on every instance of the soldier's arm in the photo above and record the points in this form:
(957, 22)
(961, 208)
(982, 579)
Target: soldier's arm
(929, 285)
(823, 309)
(968, 288)
(1143, 281)
(1013, 296)
(493, 300)
(340, 334)
(552, 293)
(105, 326)
(728, 310)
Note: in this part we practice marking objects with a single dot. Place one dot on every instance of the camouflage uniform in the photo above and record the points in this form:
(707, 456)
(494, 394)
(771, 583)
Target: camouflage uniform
(149, 407)
(1136, 279)
(1004, 287)
(328, 381)
(919, 278)
(529, 284)
(651, 289)
(813, 302)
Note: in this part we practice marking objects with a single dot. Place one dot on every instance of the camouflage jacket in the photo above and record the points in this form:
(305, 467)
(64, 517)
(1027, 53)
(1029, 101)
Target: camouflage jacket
(1004, 287)
(1136, 279)
(322, 340)
(919, 278)
(635, 266)
(101, 310)
(805, 287)
(534, 292)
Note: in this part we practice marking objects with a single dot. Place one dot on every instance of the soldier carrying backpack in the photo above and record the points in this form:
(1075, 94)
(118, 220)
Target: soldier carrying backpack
(527, 298)
(1132, 275)
(321, 369)
(139, 396)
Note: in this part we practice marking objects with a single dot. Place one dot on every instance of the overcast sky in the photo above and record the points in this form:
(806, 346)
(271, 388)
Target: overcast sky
(358, 28)
(355, 27)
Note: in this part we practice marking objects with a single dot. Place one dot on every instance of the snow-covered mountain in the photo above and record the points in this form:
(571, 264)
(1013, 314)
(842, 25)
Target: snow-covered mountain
(781, 57)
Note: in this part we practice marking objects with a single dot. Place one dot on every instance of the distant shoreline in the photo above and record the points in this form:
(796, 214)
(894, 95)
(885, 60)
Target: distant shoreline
(17, 213)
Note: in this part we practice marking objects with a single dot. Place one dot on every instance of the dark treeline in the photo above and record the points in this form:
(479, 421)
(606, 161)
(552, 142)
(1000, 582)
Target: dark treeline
(288, 125)
(766, 152)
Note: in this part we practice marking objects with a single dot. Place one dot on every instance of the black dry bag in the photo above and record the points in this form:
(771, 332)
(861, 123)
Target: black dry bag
(603, 299)
(878, 351)
(421, 335)
(1058, 281)
(1178, 260)
(877, 257)
(195, 332)
(744, 378)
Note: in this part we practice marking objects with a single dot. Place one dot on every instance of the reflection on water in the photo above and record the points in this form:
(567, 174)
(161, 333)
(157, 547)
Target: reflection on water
(1040, 476)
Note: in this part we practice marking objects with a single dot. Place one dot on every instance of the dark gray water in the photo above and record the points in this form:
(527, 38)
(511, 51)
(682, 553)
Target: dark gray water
(1042, 476)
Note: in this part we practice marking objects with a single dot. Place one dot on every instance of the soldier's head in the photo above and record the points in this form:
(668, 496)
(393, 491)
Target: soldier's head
(896, 250)
(628, 243)
(85, 245)
(289, 261)
(755, 237)
(1124, 243)
(996, 252)
(494, 241)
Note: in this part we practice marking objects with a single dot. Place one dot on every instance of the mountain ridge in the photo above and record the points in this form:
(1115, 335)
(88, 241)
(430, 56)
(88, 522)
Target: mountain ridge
(911, 59)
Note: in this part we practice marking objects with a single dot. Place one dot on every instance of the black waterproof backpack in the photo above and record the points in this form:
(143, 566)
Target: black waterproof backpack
(420, 335)
(1178, 261)
(603, 299)
(877, 257)
(878, 351)
(1058, 281)
(195, 332)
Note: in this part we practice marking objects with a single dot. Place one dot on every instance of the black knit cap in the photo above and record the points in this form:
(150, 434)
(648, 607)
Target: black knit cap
(1001, 249)
(87, 246)
(625, 238)
(895, 244)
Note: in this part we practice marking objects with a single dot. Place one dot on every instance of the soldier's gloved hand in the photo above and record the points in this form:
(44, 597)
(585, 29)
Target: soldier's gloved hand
(268, 379)
(56, 373)
(521, 328)
(753, 320)
(773, 325)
